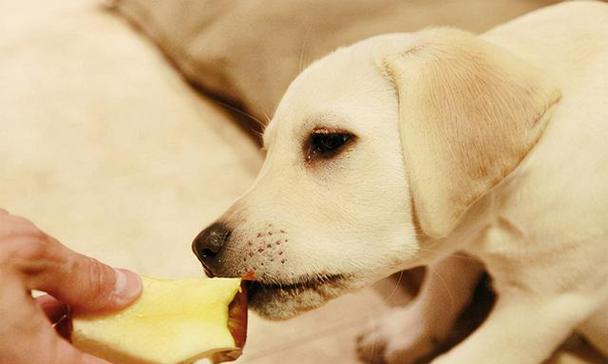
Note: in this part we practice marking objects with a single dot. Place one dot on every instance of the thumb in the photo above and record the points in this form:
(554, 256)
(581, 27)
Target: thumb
(80, 281)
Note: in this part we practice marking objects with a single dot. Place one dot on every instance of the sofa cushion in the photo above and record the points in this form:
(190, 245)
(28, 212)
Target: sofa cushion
(247, 52)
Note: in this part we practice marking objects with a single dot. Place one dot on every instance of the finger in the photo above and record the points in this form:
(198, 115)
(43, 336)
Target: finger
(75, 279)
(67, 354)
(90, 359)
(26, 336)
(52, 308)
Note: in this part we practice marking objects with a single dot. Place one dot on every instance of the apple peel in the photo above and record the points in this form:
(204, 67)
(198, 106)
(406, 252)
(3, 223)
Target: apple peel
(174, 321)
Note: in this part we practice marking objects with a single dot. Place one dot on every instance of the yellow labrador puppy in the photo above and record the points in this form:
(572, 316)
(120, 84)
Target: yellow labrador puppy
(409, 149)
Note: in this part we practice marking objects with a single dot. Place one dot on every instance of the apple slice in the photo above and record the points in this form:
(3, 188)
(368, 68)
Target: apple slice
(174, 321)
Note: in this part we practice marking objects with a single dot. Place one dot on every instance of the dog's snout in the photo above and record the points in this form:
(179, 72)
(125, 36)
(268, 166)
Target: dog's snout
(208, 243)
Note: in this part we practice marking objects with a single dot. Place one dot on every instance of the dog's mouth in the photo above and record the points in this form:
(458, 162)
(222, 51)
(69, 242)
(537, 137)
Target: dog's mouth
(299, 285)
(281, 301)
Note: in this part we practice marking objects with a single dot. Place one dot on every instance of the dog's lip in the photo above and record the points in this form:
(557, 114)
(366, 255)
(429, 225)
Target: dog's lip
(307, 282)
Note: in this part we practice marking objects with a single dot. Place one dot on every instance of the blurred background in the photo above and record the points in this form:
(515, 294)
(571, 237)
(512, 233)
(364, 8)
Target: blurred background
(127, 126)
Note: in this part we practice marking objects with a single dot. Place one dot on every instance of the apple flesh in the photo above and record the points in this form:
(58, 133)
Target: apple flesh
(174, 321)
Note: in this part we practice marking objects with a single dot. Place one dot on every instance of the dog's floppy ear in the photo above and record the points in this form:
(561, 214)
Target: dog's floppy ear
(469, 113)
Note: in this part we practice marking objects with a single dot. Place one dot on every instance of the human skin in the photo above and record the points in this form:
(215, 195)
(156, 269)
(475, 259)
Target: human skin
(32, 260)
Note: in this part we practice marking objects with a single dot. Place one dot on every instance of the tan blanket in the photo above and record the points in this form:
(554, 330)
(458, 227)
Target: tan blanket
(247, 52)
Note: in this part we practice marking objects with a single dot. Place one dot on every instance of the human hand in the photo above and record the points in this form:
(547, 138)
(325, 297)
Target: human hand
(31, 259)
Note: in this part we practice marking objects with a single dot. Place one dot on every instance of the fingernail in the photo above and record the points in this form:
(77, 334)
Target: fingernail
(128, 286)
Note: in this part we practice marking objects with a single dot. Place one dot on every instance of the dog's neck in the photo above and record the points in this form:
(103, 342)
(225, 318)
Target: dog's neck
(469, 233)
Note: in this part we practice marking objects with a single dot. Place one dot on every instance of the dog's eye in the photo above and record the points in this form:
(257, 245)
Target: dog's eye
(324, 143)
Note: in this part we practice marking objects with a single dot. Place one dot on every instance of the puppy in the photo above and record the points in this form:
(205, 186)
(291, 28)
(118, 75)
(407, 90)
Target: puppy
(410, 149)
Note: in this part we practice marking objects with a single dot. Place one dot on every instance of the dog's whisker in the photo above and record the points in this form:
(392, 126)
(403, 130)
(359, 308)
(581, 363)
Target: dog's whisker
(303, 49)
(445, 286)
(396, 287)
(239, 111)
(268, 118)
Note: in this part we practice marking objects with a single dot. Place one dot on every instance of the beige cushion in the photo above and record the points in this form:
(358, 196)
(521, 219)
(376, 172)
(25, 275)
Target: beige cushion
(249, 51)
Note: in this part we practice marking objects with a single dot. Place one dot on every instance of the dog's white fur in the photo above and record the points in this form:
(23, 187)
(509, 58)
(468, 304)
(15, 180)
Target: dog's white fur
(495, 145)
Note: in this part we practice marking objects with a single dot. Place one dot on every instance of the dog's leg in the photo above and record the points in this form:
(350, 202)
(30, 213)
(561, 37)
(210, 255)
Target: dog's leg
(523, 328)
(408, 333)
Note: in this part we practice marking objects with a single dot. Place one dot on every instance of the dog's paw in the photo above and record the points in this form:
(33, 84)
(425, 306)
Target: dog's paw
(399, 337)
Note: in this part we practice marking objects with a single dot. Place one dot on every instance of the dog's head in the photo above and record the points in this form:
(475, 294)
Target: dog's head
(374, 154)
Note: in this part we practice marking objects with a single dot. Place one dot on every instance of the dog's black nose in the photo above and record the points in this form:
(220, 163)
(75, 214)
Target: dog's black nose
(208, 243)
